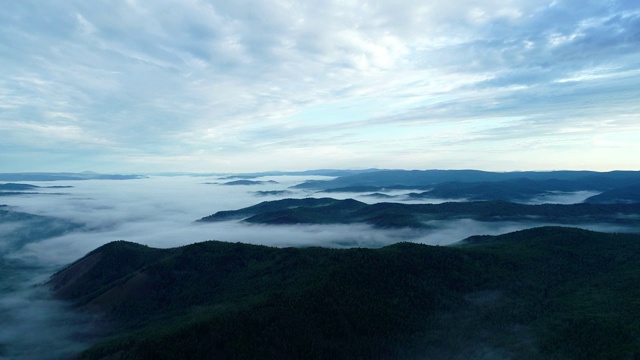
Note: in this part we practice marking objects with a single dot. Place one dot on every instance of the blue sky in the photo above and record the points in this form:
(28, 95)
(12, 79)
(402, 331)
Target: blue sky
(233, 86)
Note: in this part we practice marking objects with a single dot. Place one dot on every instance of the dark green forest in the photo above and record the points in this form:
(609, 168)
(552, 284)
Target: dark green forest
(474, 185)
(394, 215)
(542, 293)
(542, 180)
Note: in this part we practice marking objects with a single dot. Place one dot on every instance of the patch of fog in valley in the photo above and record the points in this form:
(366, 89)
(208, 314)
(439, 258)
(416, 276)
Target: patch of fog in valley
(32, 324)
(447, 232)
(563, 197)
(159, 212)
(35, 326)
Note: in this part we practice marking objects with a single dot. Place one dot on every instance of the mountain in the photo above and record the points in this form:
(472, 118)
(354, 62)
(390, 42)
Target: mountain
(19, 228)
(623, 195)
(15, 193)
(390, 215)
(316, 172)
(249, 182)
(273, 193)
(422, 178)
(542, 293)
(363, 188)
(17, 187)
(267, 206)
(521, 189)
(12, 189)
(44, 176)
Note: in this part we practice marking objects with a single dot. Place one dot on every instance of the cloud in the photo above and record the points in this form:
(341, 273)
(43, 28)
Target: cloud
(202, 79)
(160, 212)
(36, 327)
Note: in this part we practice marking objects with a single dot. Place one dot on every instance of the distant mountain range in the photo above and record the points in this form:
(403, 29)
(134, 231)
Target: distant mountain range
(249, 182)
(622, 195)
(12, 189)
(273, 193)
(542, 293)
(389, 215)
(19, 228)
(521, 189)
(46, 176)
(474, 185)
(421, 178)
(316, 172)
(17, 187)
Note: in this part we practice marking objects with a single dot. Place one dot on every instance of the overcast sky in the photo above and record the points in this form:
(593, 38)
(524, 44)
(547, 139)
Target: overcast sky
(229, 86)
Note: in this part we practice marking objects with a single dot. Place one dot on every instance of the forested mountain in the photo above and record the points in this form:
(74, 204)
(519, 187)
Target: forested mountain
(17, 187)
(46, 176)
(507, 190)
(389, 215)
(19, 228)
(12, 189)
(316, 172)
(542, 293)
(421, 178)
(624, 195)
(248, 182)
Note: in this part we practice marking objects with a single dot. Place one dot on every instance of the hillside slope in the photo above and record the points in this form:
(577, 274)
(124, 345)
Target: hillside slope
(420, 178)
(394, 215)
(519, 295)
(623, 195)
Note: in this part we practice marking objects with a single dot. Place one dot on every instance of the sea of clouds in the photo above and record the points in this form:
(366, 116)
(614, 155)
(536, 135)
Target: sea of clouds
(161, 211)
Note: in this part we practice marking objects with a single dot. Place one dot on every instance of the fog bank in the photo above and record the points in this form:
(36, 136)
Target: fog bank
(161, 212)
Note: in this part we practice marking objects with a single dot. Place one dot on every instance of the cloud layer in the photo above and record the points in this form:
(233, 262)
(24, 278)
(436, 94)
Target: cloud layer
(245, 86)
(160, 212)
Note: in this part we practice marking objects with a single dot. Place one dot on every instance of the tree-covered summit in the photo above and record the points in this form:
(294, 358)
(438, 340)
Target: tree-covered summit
(518, 295)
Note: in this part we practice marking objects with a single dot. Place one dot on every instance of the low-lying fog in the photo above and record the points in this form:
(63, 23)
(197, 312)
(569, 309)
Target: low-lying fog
(159, 212)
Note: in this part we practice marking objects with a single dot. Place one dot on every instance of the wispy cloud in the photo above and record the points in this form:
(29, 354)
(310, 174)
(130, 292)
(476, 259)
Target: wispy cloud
(205, 80)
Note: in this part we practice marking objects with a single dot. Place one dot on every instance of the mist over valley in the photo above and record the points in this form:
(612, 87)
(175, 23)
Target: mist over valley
(44, 231)
(319, 180)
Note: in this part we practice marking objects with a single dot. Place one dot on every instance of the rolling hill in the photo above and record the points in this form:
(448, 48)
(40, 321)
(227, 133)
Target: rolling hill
(422, 178)
(622, 195)
(519, 295)
(390, 215)
(507, 190)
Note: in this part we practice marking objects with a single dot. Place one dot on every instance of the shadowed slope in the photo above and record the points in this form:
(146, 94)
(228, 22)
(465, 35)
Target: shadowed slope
(518, 295)
(394, 215)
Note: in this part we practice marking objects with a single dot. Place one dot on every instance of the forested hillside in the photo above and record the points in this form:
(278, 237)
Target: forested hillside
(521, 295)
(390, 215)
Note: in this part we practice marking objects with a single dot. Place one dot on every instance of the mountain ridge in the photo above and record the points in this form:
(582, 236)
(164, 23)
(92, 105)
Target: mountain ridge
(421, 178)
(402, 301)
(395, 215)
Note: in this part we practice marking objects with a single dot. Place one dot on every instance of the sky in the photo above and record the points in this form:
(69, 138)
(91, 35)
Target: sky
(240, 86)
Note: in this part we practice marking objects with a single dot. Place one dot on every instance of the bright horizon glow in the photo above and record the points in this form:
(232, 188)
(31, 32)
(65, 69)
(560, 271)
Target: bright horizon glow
(227, 86)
